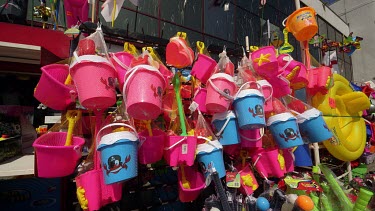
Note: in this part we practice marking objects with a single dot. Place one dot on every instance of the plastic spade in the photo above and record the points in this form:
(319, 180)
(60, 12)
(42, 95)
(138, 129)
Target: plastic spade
(73, 116)
(176, 86)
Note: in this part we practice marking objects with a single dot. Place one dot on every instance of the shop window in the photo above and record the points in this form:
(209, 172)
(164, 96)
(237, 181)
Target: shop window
(150, 7)
(218, 22)
(247, 25)
(250, 6)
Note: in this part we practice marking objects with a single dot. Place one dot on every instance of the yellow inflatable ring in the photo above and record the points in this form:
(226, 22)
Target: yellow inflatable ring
(342, 109)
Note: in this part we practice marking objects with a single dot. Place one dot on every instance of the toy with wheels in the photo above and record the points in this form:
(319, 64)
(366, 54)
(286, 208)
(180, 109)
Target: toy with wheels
(342, 110)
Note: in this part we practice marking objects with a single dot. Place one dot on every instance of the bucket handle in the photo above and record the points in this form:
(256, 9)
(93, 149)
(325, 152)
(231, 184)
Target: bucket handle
(269, 97)
(229, 97)
(283, 23)
(117, 60)
(116, 124)
(257, 139)
(208, 141)
(223, 127)
(248, 83)
(175, 144)
(134, 70)
(76, 57)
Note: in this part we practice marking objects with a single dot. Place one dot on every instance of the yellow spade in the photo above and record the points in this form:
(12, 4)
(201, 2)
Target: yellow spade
(185, 182)
(73, 116)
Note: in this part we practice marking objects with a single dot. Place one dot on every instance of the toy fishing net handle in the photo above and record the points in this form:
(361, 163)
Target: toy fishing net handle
(220, 191)
(363, 199)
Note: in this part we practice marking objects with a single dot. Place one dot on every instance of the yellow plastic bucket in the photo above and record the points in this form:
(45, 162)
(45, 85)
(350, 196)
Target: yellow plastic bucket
(302, 24)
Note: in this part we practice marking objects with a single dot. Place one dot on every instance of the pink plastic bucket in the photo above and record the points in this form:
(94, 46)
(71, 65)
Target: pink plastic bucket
(94, 78)
(197, 184)
(100, 194)
(200, 98)
(265, 61)
(143, 90)
(281, 86)
(269, 162)
(293, 70)
(121, 61)
(54, 159)
(180, 150)
(251, 138)
(51, 90)
(319, 79)
(220, 91)
(203, 68)
(152, 147)
(267, 91)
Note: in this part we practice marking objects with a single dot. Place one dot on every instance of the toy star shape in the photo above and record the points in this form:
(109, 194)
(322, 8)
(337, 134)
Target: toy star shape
(263, 58)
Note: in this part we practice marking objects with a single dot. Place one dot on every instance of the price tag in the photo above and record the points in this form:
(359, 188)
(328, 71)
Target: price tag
(184, 149)
(233, 180)
(332, 102)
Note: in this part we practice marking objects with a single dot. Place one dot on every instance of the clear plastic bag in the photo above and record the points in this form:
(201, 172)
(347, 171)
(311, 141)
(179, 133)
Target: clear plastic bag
(224, 65)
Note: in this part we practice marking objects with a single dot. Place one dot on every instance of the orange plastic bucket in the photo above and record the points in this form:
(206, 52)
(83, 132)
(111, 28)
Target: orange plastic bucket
(302, 23)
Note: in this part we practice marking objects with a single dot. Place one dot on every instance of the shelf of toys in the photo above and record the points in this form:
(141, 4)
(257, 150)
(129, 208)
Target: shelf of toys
(208, 123)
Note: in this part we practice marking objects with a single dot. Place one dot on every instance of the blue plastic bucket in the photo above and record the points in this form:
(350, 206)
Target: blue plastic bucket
(210, 155)
(313, 126)
(249, 108)
(302, 156)
(226, 128)
(118, 151)
(285, 131)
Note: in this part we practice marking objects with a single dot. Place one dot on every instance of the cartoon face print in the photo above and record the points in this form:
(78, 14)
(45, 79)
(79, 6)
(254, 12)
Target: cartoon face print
(258, 111)
(158, 91)
(289, 134)
(114, 164)
(109, 83)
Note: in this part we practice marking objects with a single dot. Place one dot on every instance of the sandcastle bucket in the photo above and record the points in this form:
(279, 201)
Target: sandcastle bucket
(248, 105)
(285, 130)
(152, 147)
(200, 98)
(92, 193)
(251, 138)
(269, 162)
(180, 150)
(94, 77)
(143, 90)
(220, 89)
(119, 154)
(280, 85)
(51, 90)
(54, 159)
(121, 61)
(319, 80)
(312, 124)
(226, 128)
(203, 68)
(210, 155)
(265, 62)
(293, 71)
(303, 156)
(196, 181)
(302, 23)
(178, 54)
(267, 91)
